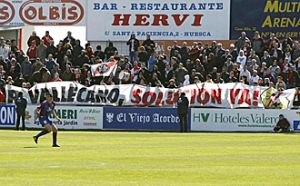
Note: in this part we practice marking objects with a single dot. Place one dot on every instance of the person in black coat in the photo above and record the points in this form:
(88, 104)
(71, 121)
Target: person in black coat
(69, 39)
(133, 44)
(182, 110)
(283, 125)
(21, 104)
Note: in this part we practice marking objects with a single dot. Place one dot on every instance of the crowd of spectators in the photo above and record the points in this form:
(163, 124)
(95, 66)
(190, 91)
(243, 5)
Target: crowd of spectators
(255, 61)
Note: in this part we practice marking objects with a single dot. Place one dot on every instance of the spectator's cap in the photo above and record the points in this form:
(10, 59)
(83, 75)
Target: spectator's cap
(196, 78)
(172, 80)
(1, 38)
(281, 115)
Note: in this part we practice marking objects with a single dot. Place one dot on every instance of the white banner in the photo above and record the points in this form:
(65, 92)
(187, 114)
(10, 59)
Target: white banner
(231, 95)
(164, 20)
(247, 120)
(78, 117)
(43, 12)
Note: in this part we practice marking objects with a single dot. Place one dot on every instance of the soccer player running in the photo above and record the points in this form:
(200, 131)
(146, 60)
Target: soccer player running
(45, 109)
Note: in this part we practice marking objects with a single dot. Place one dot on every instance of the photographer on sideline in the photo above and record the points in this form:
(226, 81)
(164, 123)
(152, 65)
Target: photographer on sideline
(283, 125)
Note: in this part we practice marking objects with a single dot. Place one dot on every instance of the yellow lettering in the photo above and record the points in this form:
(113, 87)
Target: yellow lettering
(284, 22)
(298, 23)
(267, 22)
(271, 6)
(276, 22)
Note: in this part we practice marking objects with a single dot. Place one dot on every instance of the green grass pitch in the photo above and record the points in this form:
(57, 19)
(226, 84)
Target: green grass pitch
(131, 158)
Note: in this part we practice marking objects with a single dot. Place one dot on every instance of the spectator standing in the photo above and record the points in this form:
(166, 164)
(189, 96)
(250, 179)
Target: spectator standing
(245, 73)
(174, 48)
(184, 53)
(26, 69)
(254, 78)
(13, 46)
(99, 53)
(241, 59)
(81, 59)
(42, 51)
(50, 63)
(133, 44)
(14, 69)
(21, 104)
(4, 49)
(110, 50)
(241, 41)
(47, 39)
(69, 39)
(37, 65)
(182, 110)
(149, 45)
(143, 55)
(34, 38)
(51, 49)
(32, 51)
(257, 43)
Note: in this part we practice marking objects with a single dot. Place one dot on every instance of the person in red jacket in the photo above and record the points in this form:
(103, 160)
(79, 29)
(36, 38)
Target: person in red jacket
(47, 39)
(32, 51)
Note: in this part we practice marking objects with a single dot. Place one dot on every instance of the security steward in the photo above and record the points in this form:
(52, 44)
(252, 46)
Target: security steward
(182, 110)
(21, 104)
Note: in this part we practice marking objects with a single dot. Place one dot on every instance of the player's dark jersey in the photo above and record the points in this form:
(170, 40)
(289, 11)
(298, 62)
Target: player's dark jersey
(46, 109)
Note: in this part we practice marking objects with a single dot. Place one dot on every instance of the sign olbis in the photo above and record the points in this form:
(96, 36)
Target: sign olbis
(54, 12)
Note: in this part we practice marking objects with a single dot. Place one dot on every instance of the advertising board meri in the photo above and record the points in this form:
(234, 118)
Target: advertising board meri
(281, 17)
(163, 20)
(73, 117)
(161, 119)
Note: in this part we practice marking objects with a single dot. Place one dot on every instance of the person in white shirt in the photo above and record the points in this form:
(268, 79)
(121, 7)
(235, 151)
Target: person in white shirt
(246, 73)
(4, 49)
(241, 59)
(254, 78)
(187, 80)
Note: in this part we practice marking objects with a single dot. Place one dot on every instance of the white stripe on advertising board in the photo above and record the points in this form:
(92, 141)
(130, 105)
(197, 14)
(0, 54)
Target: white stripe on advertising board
(246, 120)
(164, 20)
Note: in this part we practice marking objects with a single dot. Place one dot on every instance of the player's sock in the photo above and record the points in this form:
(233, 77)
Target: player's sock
(54, 138)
